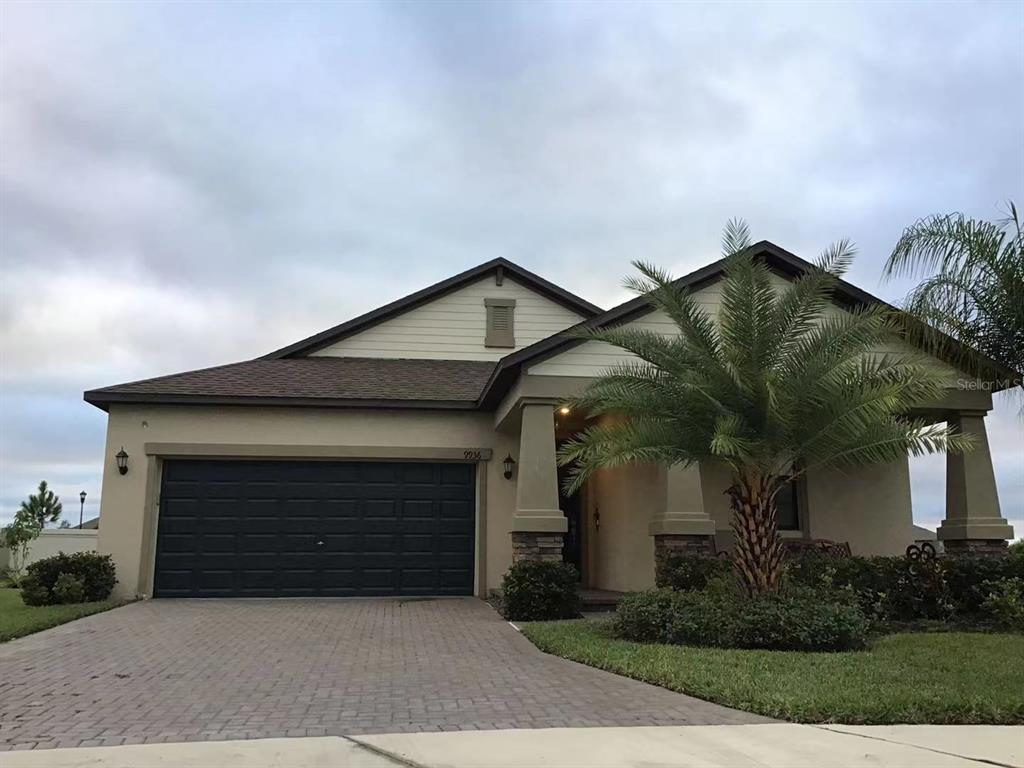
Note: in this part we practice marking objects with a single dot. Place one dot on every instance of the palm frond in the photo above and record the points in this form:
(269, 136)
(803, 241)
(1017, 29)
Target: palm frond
(779, 377)
(735, 237)
(972, 291)
(604, 446)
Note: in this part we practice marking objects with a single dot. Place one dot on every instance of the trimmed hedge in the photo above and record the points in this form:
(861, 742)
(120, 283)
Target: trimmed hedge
(901, 589)
(720, 616)
(827, 603)
(540, 591)
(689, 572)
(81, 577)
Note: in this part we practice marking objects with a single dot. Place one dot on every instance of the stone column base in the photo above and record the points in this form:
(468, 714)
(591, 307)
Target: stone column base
(975, 546)
(683, 544)
(532, 545)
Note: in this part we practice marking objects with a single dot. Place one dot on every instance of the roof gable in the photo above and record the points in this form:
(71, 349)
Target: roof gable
(780, 260)
(500, 268)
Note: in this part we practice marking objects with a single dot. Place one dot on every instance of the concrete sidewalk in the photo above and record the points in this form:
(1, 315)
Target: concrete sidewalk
(718, 746)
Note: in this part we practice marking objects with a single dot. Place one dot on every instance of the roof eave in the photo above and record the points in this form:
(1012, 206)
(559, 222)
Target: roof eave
(103, 401)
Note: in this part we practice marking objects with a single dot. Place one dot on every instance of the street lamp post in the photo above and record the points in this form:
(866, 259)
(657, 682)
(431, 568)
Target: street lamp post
(81, 509)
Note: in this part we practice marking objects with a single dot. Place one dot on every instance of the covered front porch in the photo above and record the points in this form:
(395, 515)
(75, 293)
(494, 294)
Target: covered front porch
(613, 529)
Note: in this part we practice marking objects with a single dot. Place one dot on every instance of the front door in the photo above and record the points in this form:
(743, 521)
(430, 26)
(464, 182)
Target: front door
(572, 508)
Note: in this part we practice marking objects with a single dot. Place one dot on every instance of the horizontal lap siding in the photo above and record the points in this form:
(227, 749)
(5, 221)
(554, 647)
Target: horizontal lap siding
(453, 327)
(593, 358)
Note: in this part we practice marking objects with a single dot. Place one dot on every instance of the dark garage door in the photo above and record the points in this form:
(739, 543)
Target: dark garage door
(317, 528)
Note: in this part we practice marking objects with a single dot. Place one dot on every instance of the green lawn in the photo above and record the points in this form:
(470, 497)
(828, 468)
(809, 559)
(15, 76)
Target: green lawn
(954, 677)
(18, 619)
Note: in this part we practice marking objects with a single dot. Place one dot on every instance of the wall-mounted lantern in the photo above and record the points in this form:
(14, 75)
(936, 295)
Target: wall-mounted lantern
(122, 461)
(509, 464)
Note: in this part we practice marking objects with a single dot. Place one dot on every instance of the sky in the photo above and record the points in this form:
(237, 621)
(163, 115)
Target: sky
(185, 185)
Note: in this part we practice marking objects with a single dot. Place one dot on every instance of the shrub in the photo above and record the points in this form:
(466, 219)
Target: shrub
(34, 593)
(68, 589)
(540, 591)
(795, 619)
(968, 577)
(646, 617)
(96, 573)
(901, 589)
(799, 620)
(1003, 603)
(689, 572)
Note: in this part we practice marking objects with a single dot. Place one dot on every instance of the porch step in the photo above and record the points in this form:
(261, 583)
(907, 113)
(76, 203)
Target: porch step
(596, 600)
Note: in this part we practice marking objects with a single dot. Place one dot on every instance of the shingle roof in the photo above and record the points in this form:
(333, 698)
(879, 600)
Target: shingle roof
(314, 381)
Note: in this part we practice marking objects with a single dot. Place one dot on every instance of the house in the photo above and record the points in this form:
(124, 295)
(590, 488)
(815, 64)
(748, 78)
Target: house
(411, 451)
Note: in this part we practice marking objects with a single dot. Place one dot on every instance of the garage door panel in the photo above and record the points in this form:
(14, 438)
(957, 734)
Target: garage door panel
(455, 578)
(417, 542)
(305, 524)
(422, 509)
(455, 543)
(217, 543)
(340, 507)
(340, 543)
(455, 509)
(185, 543)
(292, 543)
(386, 509)
(335, 527)
(264, 528)
(379, 544)
(256, 578)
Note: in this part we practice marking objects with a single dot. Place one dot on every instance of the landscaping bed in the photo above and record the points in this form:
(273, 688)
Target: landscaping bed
(942, 678)
(18, 619)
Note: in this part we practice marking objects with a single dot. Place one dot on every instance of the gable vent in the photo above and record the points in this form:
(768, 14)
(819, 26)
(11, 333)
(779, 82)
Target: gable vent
(500, 322)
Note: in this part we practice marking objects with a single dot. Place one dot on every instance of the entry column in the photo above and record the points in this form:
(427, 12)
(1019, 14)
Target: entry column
(538, 526)
(973, 521)
(681, 524)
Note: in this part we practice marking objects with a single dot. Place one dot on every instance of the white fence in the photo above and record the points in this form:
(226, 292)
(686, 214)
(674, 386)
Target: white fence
(54, 540)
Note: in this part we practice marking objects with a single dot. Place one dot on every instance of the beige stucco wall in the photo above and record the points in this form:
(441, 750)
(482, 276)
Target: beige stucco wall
(52, 541)
(868, 507)
(124, 534)
(453, 326)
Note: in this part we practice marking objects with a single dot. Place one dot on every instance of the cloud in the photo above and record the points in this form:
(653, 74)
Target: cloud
(184, 185)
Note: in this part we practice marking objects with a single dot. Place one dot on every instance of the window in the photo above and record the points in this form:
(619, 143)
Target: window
(787, 505)
(500, 323)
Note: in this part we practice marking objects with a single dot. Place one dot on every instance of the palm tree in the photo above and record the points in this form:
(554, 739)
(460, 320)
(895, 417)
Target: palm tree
(973, 287)
(775, 387)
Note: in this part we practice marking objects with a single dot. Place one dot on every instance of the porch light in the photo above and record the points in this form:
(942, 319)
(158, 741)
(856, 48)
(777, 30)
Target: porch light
(564, 410)
(509, 464)
(122, 461)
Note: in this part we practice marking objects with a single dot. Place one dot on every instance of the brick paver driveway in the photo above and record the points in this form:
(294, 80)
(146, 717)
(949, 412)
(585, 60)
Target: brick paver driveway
(191, 670)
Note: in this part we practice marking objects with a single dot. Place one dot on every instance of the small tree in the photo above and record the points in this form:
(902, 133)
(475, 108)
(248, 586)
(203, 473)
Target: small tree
(773, 387)
(44, 506)
(17, 537)
(35, 512)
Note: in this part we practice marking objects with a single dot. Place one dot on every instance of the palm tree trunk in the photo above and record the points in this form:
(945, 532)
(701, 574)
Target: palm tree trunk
(758, 548)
